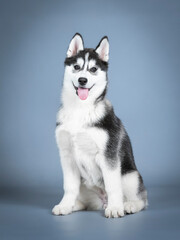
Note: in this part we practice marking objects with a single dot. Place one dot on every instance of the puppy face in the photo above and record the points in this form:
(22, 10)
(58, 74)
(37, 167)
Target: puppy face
(86, 69)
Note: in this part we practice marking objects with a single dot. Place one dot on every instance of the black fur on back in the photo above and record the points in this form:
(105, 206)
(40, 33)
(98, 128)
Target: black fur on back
(92, 55)
(117, 147)
(112, 125)
(126, 156)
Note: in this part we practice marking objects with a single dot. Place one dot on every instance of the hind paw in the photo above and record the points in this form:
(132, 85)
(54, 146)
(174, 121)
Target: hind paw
(133, 206)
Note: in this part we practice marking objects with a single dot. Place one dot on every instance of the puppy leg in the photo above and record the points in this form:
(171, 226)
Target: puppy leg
(70, 173)
(113, 188)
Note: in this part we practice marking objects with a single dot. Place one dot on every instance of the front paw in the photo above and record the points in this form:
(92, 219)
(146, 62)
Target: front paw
(114, 212)
(61, 210)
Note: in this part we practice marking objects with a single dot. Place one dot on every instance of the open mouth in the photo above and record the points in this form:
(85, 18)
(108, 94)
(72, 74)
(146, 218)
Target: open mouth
(82, 92)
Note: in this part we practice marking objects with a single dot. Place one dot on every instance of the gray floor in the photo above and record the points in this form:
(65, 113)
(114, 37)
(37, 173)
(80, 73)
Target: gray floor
(26, 214)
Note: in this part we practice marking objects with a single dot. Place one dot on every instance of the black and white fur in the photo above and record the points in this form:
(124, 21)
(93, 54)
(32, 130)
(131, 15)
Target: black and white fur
(95, 150)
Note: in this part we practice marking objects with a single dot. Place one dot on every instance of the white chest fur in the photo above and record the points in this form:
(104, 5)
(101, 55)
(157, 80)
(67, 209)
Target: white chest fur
(85, 140)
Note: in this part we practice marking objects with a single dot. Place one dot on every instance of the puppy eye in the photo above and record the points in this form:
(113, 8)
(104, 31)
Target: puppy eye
(93, 69)
(76, 67)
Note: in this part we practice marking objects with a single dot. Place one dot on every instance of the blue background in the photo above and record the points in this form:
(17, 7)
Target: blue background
(144, 86)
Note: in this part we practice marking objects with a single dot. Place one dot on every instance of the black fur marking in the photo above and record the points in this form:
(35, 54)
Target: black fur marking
(84, 168)
(112, 125)
(92, 55)
(82, 180)
(141, 184)
(58, 124)
(126, 156)
(100, 181)
(115, 149)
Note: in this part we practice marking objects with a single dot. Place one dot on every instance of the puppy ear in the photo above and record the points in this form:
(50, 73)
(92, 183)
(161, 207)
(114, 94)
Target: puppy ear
(75, 45)
(102, 49)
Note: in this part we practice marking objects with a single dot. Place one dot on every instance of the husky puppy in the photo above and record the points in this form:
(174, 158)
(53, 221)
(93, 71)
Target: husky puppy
(95, 151)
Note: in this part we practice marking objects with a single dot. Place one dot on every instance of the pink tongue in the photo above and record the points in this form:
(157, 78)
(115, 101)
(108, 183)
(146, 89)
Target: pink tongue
(83, 93)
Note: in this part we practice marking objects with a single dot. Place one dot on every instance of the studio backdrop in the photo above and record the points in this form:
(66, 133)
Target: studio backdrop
(143, 75)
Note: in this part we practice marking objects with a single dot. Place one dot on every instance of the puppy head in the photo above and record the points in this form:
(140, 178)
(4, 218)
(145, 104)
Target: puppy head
(86, 69)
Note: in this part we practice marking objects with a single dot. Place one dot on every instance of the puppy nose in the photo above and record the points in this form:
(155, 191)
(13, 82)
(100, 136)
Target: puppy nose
(82, 81)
